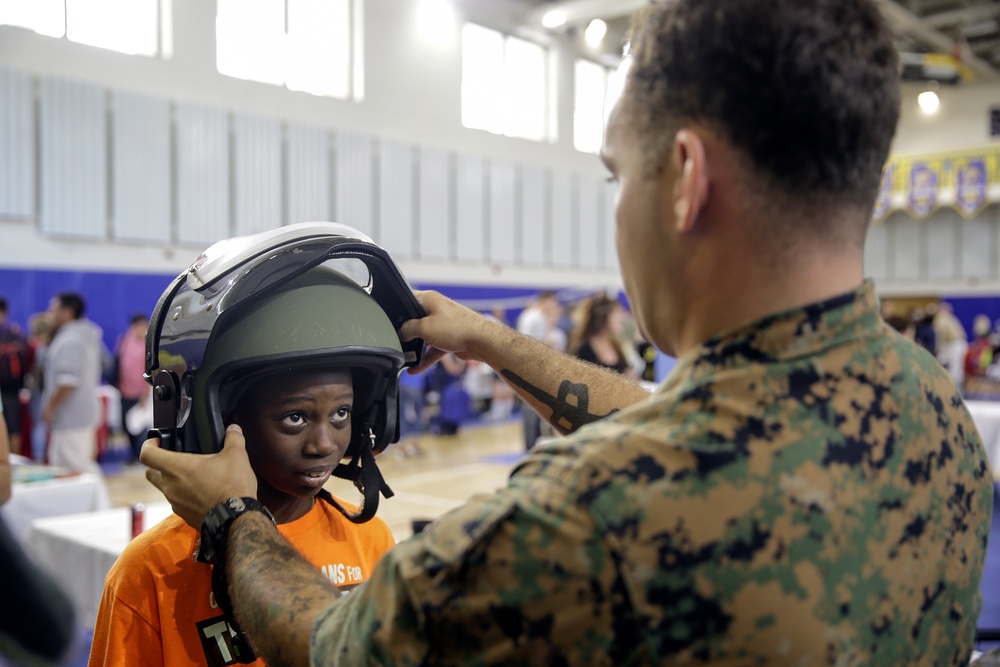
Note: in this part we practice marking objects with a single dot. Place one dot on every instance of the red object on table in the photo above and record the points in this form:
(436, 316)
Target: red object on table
(25, 426)
(103, 430)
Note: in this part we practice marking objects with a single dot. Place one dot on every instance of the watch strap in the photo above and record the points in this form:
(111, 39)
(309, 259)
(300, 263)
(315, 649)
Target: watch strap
(215, 526)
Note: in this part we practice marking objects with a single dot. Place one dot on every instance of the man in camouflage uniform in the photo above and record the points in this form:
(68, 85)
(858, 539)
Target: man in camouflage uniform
(806, 488)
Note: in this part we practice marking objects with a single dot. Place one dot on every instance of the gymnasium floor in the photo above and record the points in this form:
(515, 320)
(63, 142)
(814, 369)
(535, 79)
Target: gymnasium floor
(450, 469)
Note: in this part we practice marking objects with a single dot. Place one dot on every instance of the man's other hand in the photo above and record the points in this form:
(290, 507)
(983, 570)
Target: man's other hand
(447, 327)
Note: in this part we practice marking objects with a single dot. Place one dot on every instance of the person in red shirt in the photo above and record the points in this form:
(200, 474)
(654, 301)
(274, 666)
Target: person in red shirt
(130, 364)
(980, 353)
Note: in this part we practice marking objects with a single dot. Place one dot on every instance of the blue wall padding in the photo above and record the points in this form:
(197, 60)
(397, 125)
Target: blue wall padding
(967, 307)
(112, 298)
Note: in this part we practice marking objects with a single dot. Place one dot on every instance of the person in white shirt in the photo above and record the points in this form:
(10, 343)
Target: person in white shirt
(538, 320)
(952, 342)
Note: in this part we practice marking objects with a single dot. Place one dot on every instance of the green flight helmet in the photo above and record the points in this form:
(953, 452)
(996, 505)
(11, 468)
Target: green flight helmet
(318, 320)
(310, 295)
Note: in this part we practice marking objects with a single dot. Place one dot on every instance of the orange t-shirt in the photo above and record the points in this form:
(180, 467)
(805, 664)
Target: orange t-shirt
(158, 607)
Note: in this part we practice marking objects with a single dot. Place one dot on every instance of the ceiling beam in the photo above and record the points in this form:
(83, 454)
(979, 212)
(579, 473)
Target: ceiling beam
(902, 20)
(988, 45)
(958, 16)
(583, 11)
(905, 21)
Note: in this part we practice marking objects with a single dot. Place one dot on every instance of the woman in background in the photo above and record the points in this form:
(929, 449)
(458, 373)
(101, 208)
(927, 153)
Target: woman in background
(129, 366)
(597, 335)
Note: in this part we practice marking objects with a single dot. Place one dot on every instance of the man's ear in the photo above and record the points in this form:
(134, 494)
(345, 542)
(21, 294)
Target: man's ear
(690, 192)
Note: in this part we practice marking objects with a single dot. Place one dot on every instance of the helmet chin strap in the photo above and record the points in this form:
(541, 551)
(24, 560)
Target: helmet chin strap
(364, 472)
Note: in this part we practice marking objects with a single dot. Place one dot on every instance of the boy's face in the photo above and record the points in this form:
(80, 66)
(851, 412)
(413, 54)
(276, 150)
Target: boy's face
(297, 427)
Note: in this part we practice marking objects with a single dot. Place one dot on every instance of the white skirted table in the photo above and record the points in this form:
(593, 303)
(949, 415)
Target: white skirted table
(986, 414)
(78, 551)
(39, 492)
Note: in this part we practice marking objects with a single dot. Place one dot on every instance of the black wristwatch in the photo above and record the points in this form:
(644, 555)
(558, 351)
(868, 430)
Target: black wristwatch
(215, 527)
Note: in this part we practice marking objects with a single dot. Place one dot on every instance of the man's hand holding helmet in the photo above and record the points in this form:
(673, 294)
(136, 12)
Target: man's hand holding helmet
(448, 327)
(195, 484)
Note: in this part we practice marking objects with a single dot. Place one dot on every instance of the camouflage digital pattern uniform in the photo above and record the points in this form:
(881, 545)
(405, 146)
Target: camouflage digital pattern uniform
(805, 490)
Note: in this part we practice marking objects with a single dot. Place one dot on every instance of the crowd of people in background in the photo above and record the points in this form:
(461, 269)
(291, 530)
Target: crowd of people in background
(981, 360)
(596, 328)
(50, 373)
(50, 377)
(969, 360)
(38, 378)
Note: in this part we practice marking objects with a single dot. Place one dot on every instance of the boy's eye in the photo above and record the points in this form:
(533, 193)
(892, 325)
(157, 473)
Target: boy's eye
(342, 415)
(293, 419)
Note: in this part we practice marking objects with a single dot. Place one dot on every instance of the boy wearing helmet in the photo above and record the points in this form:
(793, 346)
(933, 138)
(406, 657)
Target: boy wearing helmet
(306, 366)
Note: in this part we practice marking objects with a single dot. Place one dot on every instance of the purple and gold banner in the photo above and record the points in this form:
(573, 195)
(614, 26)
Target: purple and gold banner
(923, 185)
(971, 182)
(967, 181)
(883, 202)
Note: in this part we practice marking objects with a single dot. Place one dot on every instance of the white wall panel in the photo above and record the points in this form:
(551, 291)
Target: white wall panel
(942, 233)
(610, 255)
(503, 213)
(396, 199)
(470, 209)
(202, 174)
(354, 187)
(17, 137)
(876, 264)
(603, 221)
(590, 213)
(906, 247)
(74, 173)
(256, 174)
(308, 179)
(141, 209)
(535, 231)
(977, 247)
(991, 218)
(418, 98)
(564, 241)
(436, 236)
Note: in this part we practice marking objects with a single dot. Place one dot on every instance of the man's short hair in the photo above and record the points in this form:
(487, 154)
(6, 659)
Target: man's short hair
(74, 302)
(3, 306)
(808, 90)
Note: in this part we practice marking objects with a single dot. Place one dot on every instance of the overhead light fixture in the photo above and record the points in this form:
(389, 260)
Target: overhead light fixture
(929, 102)
(595, 32)
(436, 21)
(554, 19)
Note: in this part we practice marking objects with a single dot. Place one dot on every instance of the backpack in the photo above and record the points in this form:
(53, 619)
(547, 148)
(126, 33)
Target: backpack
(13, 360)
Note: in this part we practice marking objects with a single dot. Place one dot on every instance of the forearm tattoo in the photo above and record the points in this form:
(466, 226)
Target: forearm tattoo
(566, 415)
(276, 593)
